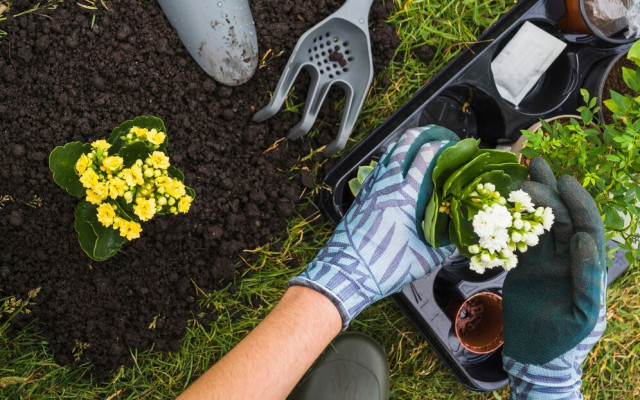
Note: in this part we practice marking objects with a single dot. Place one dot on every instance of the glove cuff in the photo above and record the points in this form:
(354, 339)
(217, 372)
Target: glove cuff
(343, 290)
(555, 380)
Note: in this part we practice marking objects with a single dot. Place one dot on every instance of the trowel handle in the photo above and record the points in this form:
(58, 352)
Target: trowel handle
(355, 11)
(219, 34)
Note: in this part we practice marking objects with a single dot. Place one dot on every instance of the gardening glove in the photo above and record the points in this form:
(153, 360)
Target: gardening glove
(378, 247)
(554, 301)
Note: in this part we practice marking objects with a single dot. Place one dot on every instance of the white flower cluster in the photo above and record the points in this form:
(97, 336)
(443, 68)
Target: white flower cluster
(504, 226)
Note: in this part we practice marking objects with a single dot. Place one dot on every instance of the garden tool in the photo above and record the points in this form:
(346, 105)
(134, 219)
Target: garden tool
(335, 51)
(219, 34)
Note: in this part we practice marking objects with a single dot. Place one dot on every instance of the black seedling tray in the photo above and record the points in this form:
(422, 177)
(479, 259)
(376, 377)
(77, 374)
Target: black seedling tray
(464, 99)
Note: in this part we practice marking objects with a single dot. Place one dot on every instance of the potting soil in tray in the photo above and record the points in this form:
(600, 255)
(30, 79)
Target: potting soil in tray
(62, 80)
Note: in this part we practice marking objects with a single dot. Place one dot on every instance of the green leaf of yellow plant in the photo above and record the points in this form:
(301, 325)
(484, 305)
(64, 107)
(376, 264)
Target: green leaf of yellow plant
(62, 163)
(135, 151)
(96, 240)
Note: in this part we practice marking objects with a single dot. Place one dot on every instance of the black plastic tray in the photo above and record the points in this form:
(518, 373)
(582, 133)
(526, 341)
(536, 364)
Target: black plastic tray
(468, 79)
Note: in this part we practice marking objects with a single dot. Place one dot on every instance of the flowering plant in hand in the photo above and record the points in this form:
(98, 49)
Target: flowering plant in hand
(122, 181)
(475, 199)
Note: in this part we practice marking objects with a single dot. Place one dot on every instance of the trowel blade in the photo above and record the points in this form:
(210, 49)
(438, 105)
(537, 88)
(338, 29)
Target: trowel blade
(219, 34)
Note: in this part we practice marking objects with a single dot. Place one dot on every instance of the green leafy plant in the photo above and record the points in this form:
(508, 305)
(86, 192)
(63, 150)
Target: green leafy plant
(355, 184)
(476, 200)
(604, 157)
(122, 181)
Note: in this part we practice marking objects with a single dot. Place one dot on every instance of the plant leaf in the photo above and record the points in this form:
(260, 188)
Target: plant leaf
(86, 236)
(355, 186)
(175, 173)
(363, 172)
(634, 53)
(62, 163)
(98, 242)
(465, 174)
(135, 151)
(630, 78)
(451, 159)
(461, 230)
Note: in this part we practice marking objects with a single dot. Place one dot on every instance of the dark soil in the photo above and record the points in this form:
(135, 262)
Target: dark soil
(62, 80)
(616, 83)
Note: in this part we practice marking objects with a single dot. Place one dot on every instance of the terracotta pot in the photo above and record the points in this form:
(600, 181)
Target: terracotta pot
(576, 20)
(478, 322)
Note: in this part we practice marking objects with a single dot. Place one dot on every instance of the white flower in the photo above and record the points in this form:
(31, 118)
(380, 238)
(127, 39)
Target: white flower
(474, 249)
(522, 247)
(522, 200)
(539, 211)
(483, 223)
(527, 226)
(547, 218)
(477, 265)
(490, 187)
(530, 239)
(537, 229)
(495, 242)
(501, 215)
(518, 224)
(510, 262)
(516, 237)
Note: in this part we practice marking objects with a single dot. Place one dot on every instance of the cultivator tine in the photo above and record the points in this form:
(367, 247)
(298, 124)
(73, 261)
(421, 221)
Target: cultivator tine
(317, 93)
(280, 94)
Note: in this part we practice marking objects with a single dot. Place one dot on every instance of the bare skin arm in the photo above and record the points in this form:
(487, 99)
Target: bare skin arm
(272, 358)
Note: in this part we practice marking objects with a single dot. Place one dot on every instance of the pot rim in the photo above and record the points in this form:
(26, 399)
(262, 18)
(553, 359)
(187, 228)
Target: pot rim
(596, 31)
(496, 341)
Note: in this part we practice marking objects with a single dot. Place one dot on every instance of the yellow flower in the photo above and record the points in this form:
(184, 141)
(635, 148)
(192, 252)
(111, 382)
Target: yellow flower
(116, 187)
(130, 229)
(134, 230)
(112, 163)
(145, 209)
(106, 214)
(164, 181)
(82, 164)
(118, 222)
(140, 132)
(101, 189)
(136, 173)
(93, 198)
(89, 178)
(185, 204)
(100, 145)
(177, 189)
(155, 137)
(159, 160)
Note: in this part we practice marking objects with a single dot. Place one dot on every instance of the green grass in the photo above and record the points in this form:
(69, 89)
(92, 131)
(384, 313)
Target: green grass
(28, 371)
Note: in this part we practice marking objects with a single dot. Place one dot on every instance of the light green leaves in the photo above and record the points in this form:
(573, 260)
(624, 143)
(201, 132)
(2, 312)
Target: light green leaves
(62, 162)
(355, 184)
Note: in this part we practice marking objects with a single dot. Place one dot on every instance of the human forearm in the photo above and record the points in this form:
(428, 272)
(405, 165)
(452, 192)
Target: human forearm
(269, 361)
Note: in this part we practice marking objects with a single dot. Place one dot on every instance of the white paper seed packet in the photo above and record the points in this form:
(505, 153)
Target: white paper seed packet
(523, 60)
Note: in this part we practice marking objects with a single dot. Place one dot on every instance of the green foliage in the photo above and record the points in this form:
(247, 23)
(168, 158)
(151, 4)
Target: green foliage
(355, 184)
(458, 171)
(604, 157)
(62, 162)
(123, 180)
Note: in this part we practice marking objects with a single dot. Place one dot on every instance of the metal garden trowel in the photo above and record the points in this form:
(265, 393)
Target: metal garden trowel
(335, 51)
(219, 34)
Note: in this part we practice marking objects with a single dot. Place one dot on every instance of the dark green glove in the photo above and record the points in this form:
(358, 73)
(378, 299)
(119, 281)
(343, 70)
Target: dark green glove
(554, 301)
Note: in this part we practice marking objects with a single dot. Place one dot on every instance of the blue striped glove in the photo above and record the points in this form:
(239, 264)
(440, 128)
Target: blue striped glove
(378, 246)
(554, 301)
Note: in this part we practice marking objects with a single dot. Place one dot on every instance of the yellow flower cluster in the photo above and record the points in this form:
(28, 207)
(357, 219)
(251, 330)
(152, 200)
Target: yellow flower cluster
(146, 184)
(153, 136)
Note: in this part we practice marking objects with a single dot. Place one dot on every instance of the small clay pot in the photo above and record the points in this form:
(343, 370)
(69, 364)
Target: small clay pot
(478, 322)
(576, 20)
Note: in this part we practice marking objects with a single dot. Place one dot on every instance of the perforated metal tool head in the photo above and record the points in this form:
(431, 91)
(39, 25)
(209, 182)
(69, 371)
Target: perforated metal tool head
(335, 51)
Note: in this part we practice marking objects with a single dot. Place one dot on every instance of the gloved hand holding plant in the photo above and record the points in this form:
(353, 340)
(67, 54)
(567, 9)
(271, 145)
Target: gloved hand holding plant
(123, 180)
(475, 199)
